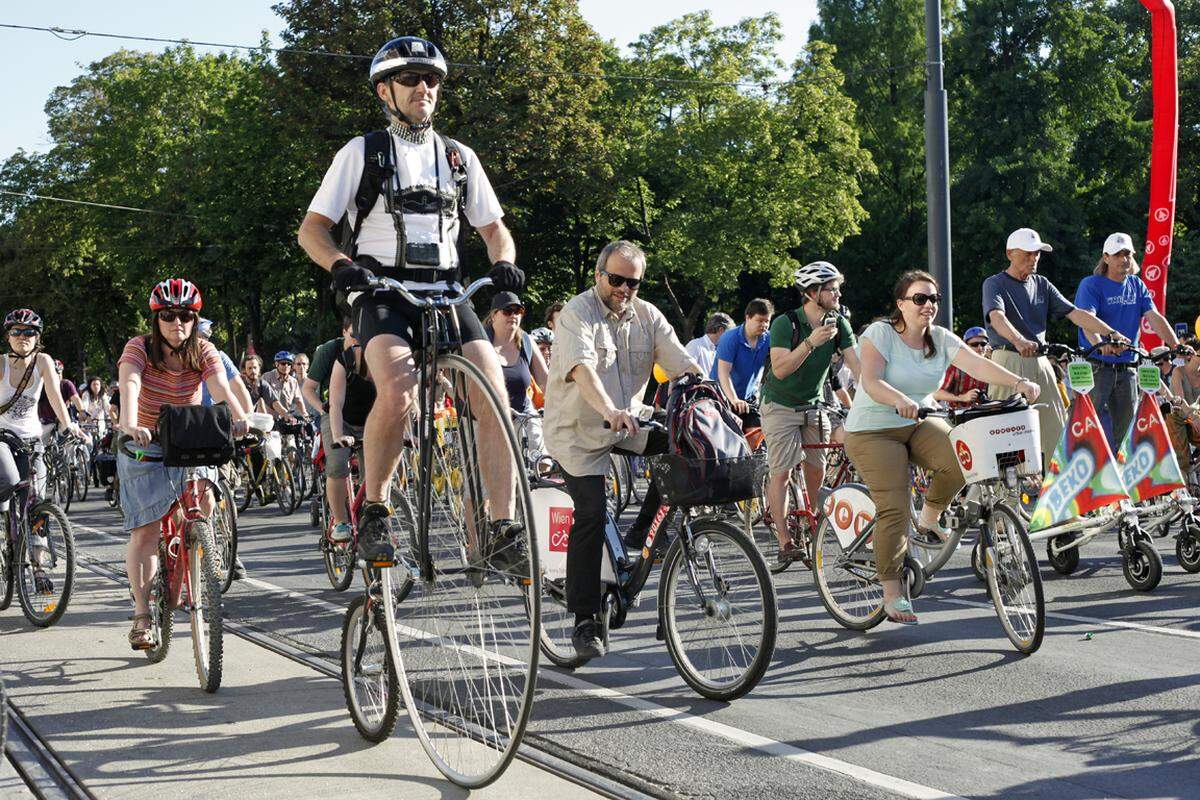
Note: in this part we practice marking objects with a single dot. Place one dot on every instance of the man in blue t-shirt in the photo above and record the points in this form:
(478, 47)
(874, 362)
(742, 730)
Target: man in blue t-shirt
(741, 354)
(1115, 294)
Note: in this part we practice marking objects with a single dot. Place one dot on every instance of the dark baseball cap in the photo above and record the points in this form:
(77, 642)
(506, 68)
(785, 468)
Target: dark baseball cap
(504, 300)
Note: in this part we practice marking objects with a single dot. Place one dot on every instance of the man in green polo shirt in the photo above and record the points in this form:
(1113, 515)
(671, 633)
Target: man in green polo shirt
(804, 343)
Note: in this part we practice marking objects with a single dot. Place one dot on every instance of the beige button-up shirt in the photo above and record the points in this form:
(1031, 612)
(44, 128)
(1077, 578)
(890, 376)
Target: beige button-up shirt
(623, 351)
(286, 389)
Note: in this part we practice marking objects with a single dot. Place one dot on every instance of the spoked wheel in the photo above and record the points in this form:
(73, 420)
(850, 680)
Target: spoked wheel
(557, 625)
(368, 675)
(339, 557)
(292, 456)
(64, 486)
(45, 565)
(162, 619)
(243, 487)
(80, 469)
(615, 493)
(764, 535)
(286, 494)
(1066, 561)
(7, 577)
(848, 584)
(465, 639)
(1187, 547)
(718, 611)
(1014, 582)
(1142, 564)
(225, 529)
(205, 597)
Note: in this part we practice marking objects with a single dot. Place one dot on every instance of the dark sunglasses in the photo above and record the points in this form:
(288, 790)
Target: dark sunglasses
(24, 333)
(513, 310)
(977, 345)
(182, 316)
(616, 281)
(921, 298)
(411, 79)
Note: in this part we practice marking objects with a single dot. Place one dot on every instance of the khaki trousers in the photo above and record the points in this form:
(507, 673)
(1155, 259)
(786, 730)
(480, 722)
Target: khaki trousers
(881, 458)
(1052, 414)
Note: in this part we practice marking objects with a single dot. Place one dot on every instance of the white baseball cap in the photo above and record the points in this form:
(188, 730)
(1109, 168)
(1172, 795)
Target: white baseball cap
(1027, 239)
(1117, 243)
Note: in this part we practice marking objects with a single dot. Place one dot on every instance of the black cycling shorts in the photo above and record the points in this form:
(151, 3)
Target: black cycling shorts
(388, 312)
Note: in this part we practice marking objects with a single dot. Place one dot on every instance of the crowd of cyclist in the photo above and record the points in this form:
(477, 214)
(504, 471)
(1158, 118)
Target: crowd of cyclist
(585, 371)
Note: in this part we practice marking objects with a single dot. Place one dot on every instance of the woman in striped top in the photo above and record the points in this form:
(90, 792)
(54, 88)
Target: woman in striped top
(166, 366)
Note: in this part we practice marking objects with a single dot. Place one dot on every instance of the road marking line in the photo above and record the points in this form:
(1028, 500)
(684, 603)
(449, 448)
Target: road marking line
(1108, 623)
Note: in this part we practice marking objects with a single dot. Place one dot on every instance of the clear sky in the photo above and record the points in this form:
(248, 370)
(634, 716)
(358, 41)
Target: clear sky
(34, 63)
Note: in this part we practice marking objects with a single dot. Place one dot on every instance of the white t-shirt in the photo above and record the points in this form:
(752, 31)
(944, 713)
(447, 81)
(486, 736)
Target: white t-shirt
(417, 166)
(704, 350)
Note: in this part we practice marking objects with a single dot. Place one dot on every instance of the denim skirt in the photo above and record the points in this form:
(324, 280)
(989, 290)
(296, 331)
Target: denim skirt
(148, 488)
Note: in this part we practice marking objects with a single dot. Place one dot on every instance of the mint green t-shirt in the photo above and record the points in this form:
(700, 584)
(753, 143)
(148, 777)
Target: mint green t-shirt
(803, 387)
(907, 370)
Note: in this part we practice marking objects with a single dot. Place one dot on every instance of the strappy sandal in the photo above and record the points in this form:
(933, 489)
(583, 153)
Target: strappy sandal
(794, 551)
(896, 608)
(141, 638)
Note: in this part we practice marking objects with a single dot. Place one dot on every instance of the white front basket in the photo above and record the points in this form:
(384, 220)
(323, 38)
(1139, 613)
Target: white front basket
(273, 445)
(987, 446)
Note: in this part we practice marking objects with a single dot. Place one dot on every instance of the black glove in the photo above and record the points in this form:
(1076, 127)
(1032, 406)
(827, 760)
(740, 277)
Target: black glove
(506, 277)
(347, 274)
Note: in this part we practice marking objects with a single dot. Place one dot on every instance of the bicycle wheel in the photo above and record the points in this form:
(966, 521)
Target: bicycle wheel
(293, 458)
(45, 565)
(1014, 581)
(614, 487)
(243, 487)
(846, 582)
(79, 472)
(718, 611)
(204, 594)
(465, 637)
(225, 528)
(285, 486)
(7, 576)
(368, 675)
(63, 486)
(338, 557)
(162, 618)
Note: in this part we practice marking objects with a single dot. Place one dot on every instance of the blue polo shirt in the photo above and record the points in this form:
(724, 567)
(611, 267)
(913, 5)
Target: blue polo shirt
(1119, 303)
(230, 373)
(746, 361)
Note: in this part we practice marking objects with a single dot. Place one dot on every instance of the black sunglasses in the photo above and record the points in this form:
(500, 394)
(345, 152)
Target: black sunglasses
(23, 332)
(616, 281)
(977, 344)
(411, 79)
(171, 315)
(920, 298)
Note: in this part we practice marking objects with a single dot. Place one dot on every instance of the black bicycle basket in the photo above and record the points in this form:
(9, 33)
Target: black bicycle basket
(684, 481)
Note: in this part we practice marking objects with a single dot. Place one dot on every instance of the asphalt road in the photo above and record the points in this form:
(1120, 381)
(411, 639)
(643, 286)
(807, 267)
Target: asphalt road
(943, 709)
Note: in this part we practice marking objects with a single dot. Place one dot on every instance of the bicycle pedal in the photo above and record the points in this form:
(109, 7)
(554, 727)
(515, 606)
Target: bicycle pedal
(385, 564)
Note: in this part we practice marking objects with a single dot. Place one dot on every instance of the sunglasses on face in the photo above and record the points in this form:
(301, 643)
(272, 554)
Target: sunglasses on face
(920, 298)
(617, 281)
(977, 345)
(24, 333)
(182, 316)
(411, 79)
(512, 311)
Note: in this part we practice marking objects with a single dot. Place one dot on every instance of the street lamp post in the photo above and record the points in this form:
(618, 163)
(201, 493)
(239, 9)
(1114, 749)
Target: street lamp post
(937, 161)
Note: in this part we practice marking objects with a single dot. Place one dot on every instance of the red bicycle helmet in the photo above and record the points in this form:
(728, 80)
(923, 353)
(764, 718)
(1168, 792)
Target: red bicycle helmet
(23, 316)
(175, 293)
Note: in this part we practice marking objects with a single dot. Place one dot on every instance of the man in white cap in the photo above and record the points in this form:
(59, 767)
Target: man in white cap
(1115, 294)
(1017, 304)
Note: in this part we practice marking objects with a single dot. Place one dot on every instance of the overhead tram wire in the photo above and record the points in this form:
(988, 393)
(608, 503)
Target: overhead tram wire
(75, 34)
(131, 209)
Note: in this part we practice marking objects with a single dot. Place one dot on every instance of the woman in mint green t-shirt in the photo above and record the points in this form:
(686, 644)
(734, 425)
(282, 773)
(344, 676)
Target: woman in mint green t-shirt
(904, 359)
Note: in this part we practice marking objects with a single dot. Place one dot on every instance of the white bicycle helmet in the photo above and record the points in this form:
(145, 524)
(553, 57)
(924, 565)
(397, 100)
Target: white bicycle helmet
(817, 273)
(542, 335)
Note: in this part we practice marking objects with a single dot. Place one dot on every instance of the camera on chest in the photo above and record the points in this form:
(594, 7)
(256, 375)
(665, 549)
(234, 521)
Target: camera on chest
(424, 254)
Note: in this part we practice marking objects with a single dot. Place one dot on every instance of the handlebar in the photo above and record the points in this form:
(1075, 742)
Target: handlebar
(438, 300)
(647, 425)
(1140, 355)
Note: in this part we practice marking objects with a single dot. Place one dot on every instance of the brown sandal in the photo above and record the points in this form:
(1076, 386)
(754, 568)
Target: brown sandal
(141, 638)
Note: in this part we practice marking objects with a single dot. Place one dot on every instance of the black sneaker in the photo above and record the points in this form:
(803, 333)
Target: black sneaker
(507, 550)
(587, 640)
(374, 541)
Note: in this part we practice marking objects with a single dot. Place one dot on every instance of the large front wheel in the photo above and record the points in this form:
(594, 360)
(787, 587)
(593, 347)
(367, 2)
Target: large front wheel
(464, 619)
(1014, 581)
(718, 611)
(205, 597)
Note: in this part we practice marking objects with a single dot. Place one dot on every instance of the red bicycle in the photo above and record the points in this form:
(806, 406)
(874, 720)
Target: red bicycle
(340, 557)
(186, 580)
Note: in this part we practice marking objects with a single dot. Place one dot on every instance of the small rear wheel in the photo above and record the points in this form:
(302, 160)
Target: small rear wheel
(718, 611)
(368, 676)
(1142, 565)
(847, 583)
(1066, 561)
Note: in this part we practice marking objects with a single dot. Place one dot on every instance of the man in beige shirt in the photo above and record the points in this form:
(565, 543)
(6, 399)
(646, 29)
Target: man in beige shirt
(606, 343)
